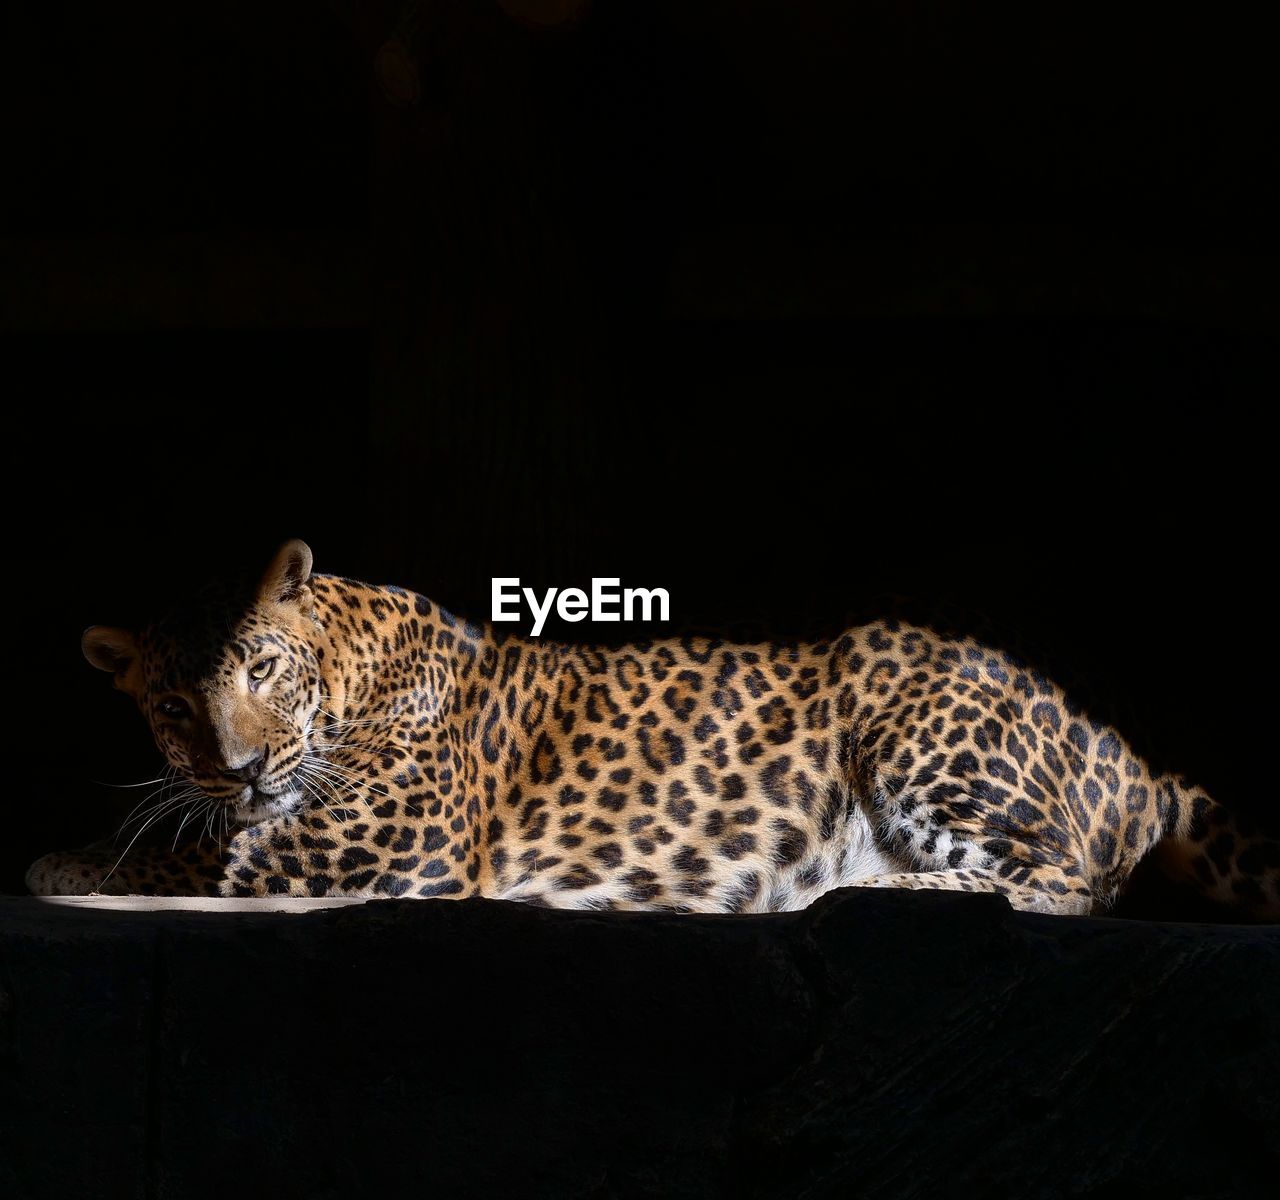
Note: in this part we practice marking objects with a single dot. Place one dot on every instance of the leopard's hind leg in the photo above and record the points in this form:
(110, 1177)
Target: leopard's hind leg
(1050, 893)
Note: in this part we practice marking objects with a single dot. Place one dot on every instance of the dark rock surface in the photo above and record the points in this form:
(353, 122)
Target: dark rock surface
(878, 1044)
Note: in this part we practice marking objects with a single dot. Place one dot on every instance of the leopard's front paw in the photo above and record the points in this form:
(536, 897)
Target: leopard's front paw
(75, 873)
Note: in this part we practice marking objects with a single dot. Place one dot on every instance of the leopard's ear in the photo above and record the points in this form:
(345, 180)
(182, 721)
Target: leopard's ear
(114, 650)
(286, 578)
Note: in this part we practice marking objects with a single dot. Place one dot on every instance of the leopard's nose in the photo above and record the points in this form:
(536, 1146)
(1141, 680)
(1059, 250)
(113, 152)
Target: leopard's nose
(248, 771)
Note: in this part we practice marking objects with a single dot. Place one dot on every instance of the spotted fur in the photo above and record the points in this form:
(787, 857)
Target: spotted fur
(404, 752)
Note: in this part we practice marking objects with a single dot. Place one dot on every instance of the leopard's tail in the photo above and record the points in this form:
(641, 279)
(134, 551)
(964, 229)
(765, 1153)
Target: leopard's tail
(1228, 857)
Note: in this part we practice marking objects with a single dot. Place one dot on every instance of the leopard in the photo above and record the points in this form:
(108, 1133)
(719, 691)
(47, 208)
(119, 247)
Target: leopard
(350, 740)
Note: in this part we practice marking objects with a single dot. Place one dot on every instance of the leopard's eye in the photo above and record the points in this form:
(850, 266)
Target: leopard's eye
(260, 671)
(175, 708)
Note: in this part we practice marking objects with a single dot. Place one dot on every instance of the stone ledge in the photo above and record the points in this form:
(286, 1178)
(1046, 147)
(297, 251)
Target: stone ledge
(879, 1043)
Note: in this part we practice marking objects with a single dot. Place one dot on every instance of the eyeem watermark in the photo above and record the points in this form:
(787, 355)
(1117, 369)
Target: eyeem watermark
(606, 603)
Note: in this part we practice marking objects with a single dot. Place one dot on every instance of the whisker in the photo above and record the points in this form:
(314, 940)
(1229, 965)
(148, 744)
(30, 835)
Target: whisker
(144, 783)
(191, 810)
(349, 785)
(167, 804)
(319, 798)
(198, 814)
(338, 772)
(345, 774)
(169, 779)
(347, 722)
(163, 811)
(313, 773)
(340, 792)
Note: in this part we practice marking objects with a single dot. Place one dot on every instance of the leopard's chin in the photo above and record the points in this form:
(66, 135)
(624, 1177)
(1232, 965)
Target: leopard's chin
(254, 806)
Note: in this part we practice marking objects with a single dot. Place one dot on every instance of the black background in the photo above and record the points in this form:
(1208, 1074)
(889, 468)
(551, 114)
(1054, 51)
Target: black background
(782, 307)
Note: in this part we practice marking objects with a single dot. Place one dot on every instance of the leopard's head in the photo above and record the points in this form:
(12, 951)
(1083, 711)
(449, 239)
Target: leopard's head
(231, 685)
